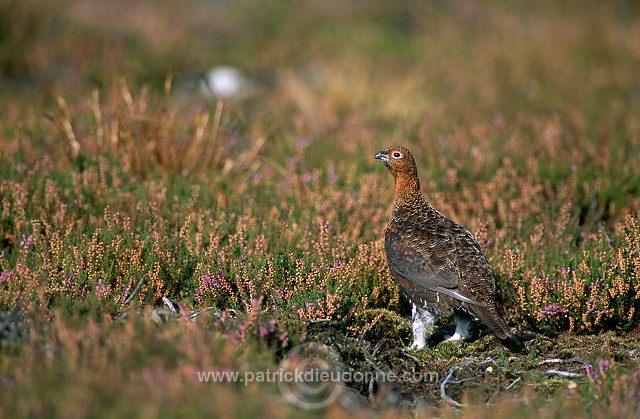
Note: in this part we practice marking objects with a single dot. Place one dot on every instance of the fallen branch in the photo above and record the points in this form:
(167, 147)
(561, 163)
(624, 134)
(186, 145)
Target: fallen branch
(510, 386)
(381, 344)
(134, 293)
(375, 367)
(408, 355)
(443, 389)
(464, 380)
(195, 314)
(371, 388)
(565, 374)
(562, 361)
(495, 393)
(167, 302)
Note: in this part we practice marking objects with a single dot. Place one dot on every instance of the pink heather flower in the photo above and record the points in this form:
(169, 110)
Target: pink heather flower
(198, 293)
(5, 275)
(26, 241)
(302, 143)
(266, 327)
(553, 310)
(332, 174)
(215, 283)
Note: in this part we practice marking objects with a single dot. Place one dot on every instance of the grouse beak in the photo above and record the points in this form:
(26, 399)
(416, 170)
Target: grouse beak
(383, 155)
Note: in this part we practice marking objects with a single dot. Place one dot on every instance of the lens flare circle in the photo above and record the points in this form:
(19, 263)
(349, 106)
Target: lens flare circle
(311, 376)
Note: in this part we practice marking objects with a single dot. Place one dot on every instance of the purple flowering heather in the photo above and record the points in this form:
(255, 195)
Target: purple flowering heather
(26, 241)
(553, 310)
(5, 275)
(213, 285)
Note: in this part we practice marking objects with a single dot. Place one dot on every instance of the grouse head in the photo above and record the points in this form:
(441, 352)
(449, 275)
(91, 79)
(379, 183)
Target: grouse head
(402, 166)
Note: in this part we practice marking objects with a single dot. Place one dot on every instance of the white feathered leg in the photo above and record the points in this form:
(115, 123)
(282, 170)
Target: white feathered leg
(421, 321)
(462, 329)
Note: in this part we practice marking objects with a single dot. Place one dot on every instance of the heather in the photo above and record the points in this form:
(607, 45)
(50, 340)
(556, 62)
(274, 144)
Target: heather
(148, 230)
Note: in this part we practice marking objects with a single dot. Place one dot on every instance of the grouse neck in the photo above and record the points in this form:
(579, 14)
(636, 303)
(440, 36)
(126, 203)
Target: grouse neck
(407, 190)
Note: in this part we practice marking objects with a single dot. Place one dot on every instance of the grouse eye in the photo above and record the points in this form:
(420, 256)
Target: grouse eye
(396, 154)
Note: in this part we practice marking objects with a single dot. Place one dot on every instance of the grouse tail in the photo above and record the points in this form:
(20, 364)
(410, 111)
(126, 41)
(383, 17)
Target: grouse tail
(496, 323)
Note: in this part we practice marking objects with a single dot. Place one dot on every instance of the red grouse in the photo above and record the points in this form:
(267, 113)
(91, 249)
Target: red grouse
(437, 263)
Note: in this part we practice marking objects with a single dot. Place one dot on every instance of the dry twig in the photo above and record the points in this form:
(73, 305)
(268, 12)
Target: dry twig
(566, 374)
(195, 314)
(562, 361)
(134, 293)
(443, 388)
(509, 387)
(169, 304)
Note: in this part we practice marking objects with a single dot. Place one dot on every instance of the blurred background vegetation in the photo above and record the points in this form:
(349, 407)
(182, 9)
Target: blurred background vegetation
(320, 65)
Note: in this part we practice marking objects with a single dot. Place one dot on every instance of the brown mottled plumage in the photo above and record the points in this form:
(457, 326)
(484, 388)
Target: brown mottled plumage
(437, 263)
